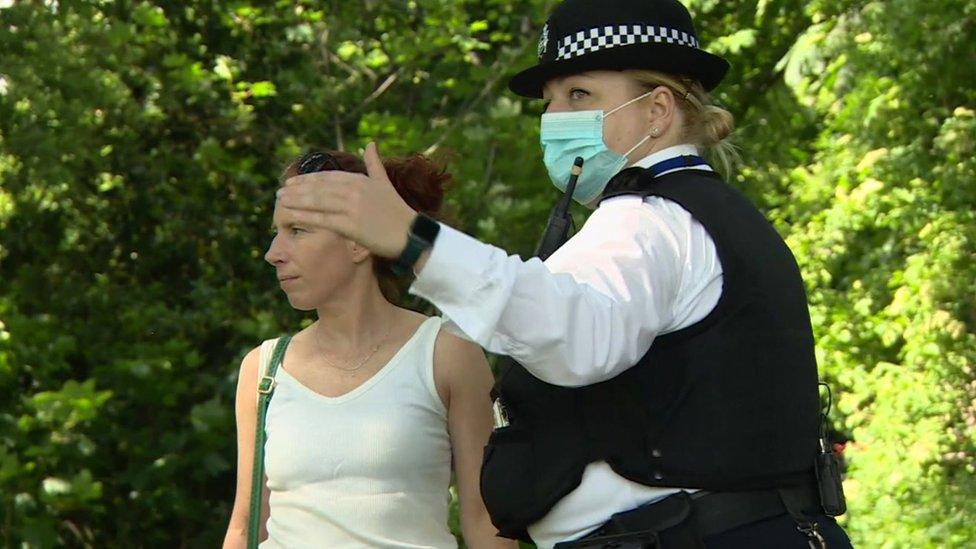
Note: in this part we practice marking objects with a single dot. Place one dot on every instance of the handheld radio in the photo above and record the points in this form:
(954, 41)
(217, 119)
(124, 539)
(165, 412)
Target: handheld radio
(557, 229)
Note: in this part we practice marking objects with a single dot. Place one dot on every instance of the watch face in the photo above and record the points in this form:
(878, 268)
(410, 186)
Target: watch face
(425, 228)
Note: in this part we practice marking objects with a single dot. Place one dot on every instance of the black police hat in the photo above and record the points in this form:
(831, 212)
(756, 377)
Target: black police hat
(585, 35)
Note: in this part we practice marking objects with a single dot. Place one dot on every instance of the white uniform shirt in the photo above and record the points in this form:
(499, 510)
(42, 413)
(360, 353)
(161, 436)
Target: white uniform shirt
(636, 269)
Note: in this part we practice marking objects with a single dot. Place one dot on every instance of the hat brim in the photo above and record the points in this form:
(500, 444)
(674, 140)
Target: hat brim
(707, 68)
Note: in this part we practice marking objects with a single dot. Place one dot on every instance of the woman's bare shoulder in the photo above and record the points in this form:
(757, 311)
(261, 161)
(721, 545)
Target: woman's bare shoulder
(459, 361)
(249, 364)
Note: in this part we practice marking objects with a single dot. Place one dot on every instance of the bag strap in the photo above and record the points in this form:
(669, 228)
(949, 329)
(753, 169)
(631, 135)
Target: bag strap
(266, 387)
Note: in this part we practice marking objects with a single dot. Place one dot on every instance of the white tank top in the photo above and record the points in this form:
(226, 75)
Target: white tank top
(370, 468)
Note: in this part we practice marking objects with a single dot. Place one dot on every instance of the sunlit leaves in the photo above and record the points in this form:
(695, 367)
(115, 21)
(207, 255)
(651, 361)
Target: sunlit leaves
(140, 145)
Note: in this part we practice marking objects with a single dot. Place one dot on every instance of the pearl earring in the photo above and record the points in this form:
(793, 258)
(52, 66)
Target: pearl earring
(655, 132)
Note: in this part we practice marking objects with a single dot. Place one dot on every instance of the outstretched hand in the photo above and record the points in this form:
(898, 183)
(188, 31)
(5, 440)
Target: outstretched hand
(363, 208)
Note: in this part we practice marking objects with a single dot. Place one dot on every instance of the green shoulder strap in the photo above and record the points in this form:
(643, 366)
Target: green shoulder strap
(266, 387)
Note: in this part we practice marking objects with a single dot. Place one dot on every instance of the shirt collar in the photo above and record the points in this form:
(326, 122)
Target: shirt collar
(671, 152)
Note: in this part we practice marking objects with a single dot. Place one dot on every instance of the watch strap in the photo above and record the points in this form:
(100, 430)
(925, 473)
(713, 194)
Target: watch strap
(423, 232)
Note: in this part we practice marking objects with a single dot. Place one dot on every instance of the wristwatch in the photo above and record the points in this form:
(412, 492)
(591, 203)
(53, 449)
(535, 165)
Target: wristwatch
(423, 232)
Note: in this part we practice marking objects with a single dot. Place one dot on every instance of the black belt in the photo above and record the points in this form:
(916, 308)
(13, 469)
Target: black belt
(702, 514)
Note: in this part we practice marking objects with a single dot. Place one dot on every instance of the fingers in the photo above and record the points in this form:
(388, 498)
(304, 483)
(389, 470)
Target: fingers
(314, 218)
(328, 177)
(312, 194)
(374, 164)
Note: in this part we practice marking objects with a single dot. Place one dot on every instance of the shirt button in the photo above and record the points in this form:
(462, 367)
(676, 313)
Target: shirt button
(658, 475)
(656, 453)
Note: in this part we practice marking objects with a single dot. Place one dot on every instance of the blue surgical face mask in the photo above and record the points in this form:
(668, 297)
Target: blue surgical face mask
(566, 135)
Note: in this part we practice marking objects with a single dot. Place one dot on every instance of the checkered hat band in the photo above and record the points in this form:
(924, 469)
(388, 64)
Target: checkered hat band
(611, 36)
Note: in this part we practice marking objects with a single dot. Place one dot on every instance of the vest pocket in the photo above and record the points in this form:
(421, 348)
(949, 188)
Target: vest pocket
(508, 463)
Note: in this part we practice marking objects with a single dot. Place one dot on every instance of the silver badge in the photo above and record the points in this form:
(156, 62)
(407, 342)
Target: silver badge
(544, 40)
(500, 415)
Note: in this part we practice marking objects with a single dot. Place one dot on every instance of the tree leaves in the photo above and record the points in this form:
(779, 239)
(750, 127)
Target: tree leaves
(140, 145)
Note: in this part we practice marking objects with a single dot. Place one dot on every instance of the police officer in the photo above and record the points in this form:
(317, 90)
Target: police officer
(666, 387)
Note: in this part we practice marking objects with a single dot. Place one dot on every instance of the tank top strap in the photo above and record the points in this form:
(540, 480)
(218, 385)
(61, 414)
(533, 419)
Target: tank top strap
(423, 356)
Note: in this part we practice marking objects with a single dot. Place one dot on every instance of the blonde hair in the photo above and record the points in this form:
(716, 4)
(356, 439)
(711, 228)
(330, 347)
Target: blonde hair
(706, 125)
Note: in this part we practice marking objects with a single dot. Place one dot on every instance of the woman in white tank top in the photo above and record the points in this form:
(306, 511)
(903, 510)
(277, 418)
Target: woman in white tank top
(373, 405)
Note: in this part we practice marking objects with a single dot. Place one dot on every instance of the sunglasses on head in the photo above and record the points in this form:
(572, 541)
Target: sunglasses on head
(317, 162)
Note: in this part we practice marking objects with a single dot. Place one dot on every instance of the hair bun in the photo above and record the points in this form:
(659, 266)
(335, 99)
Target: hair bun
(420, 181)
(717, 123)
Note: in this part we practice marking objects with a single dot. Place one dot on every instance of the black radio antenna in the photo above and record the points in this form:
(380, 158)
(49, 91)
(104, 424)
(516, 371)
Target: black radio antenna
(557, 230)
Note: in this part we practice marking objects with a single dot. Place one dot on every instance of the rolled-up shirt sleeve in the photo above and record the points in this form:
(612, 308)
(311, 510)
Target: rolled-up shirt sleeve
(588, 313)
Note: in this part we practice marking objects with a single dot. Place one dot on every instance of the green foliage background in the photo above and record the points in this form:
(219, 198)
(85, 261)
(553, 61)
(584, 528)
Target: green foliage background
(139, 147)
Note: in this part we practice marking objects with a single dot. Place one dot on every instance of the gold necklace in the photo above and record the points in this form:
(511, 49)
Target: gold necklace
(362, 362)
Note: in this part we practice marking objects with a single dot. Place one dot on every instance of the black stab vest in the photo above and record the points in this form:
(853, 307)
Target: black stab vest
(728, 403)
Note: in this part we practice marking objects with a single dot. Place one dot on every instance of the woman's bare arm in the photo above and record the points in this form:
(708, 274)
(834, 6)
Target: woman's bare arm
(246, 410)
(464, 382)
